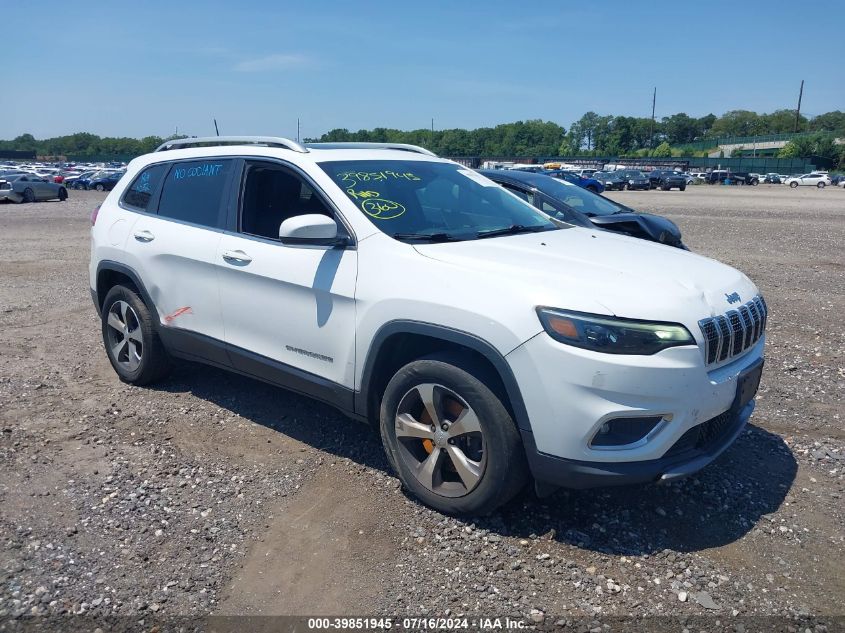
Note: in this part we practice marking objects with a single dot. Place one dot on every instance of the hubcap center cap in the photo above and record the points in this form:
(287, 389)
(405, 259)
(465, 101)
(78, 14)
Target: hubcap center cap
(441, 438)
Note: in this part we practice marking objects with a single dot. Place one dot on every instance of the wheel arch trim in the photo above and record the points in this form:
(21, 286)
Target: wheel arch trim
(117, 267)
(449, 335)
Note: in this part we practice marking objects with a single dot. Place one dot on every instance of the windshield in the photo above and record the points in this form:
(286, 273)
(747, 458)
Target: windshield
(416, 199)
(634, 174)
(578, 198)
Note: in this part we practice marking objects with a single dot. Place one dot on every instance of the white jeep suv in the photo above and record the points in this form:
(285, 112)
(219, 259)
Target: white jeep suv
(490, 343)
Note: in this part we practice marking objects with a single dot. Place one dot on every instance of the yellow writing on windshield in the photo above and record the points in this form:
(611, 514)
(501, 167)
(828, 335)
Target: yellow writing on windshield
(382, 209)
(362, 194)
(350, 179)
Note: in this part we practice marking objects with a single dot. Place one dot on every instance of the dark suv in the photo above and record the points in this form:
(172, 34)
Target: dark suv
(666, 180)
(610, 179)
(635, 179)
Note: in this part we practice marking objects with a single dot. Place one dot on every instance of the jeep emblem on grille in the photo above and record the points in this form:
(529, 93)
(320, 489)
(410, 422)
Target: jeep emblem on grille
(733, 297)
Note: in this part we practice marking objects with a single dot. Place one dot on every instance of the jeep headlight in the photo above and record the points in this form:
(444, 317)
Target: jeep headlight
(612, 335)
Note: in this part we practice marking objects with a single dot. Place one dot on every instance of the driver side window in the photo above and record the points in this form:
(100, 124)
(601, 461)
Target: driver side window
(270, 195)
(528, 196)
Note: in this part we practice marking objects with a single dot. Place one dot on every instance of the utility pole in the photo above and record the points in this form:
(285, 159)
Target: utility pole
(798, 111)
(651, 129)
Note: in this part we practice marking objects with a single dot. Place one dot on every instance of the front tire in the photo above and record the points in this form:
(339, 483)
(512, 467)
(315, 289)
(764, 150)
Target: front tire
(62, 194)
(131, 341)
(683, 187)
(820, 185)
(793, 184)
(450, 438)
(100, 188)
(28, 195)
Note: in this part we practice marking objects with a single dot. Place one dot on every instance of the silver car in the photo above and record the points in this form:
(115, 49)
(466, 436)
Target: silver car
(30, 188)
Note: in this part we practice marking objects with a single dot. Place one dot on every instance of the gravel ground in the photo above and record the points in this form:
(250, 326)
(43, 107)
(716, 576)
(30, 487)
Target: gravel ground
(216, 494)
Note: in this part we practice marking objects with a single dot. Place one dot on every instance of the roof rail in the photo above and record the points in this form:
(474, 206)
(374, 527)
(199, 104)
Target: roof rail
(267, 141)
(399, 146)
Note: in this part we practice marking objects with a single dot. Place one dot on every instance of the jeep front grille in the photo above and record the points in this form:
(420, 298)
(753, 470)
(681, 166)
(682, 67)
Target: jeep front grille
(730, 334)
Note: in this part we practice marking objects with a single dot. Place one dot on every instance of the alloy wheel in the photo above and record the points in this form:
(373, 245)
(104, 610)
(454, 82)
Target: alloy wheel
(440, 440)
(125, 340)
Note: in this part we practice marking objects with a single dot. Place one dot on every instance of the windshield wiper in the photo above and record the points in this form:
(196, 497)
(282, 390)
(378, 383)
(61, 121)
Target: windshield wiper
(427, 237)
(513, 229)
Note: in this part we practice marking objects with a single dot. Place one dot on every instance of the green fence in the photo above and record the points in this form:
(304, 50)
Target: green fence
(757, 164)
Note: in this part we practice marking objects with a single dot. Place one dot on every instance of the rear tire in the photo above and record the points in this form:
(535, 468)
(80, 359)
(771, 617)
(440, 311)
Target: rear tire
(100, 188)
(683, 187)
(28, 195)
(793, 184)
(130, 338)
(471, 460)
(820, 185)
(62, 194)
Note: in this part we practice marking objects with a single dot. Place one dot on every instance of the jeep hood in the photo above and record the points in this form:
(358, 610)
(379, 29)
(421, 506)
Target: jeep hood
(598, 271)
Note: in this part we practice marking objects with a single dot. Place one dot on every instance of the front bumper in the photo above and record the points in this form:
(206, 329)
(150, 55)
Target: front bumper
(695, 450)
(570, 393)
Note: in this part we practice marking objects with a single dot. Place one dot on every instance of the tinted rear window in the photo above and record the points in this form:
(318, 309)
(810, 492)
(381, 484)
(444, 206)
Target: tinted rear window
(193, 191)
(141, 191)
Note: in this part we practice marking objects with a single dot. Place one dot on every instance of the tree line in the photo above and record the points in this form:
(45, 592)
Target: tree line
(83, 145)
(598, 135)
(592, 134)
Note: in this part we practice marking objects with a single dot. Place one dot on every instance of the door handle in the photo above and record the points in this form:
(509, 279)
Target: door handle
(238, 258)
(144, 236)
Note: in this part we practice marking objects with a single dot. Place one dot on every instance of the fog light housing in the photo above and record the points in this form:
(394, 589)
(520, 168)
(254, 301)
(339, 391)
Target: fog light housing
(624, 432)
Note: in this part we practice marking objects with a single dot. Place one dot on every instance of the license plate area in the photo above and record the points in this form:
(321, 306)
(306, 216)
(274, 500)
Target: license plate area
(747, 384)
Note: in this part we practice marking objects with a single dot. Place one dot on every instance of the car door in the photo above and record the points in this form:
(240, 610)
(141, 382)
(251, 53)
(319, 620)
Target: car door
(287, 309)
(172, 244)
(36, 184)
(38, 187)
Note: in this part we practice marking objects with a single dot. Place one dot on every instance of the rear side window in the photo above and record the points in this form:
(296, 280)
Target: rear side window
(140, 192)
(193, 191)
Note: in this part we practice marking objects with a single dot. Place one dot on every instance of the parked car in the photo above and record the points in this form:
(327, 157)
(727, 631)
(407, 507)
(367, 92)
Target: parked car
(772, 179)
(813, 180)
(838, 180)
(29, 188)
(612, 180)
(105, 182)
(587, 183)
(530, 168)
(747, 179)
(727, 177)
(666, 179)
(573, 204)
(80, 181)
(635, 179)
(487, 341)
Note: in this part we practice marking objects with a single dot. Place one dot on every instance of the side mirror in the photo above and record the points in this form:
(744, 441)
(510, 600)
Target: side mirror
(311, 229)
